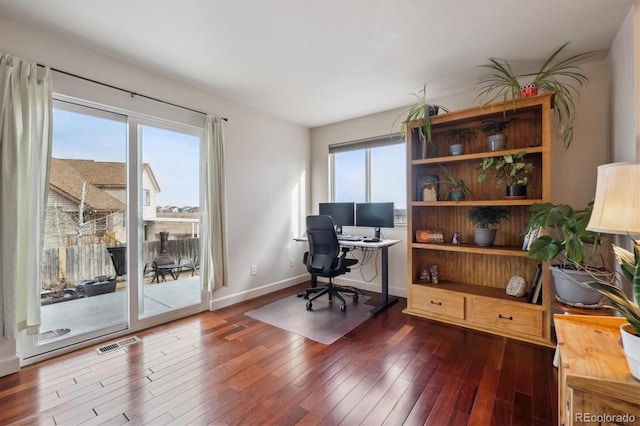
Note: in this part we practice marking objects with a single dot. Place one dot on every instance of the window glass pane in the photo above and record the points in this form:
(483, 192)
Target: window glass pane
(170, 175)
(388, 177)
(349, 176)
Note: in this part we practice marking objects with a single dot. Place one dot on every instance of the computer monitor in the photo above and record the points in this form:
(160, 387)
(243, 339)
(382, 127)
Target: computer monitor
(375, 215)
(343, 214)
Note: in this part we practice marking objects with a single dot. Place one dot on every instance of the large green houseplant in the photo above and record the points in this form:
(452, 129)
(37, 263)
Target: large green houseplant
(566, 241)
(560, 76)
(422, 111)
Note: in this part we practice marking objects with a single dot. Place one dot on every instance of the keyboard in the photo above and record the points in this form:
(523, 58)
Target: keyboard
(349, 238)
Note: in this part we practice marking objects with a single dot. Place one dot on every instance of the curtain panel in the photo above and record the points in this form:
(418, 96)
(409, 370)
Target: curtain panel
(214, 263)
(25, 151)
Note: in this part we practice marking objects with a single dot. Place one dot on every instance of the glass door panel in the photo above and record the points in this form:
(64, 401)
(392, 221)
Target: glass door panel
(83, 273)
(170, 233)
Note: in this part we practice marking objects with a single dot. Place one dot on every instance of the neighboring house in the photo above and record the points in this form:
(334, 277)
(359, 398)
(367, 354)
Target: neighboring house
(104, 201)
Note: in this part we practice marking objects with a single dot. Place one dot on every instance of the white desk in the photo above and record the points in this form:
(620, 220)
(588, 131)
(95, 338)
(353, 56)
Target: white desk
(384, 247)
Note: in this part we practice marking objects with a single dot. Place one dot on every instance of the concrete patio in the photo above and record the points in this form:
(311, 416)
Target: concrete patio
(88, 314)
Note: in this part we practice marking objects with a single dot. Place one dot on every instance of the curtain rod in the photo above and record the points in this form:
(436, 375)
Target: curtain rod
(127, 91)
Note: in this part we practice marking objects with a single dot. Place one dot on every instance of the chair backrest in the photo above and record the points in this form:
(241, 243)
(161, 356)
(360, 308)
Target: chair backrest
(324, 247)
(119, 259)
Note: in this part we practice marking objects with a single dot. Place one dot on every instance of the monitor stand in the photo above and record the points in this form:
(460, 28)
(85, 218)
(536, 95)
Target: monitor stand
(338, 230)
(377, 233)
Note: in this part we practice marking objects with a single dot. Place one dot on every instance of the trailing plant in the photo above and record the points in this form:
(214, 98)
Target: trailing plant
(487, 216)
(630, 266)
(565, 237)
(508, 168)
(501, 82)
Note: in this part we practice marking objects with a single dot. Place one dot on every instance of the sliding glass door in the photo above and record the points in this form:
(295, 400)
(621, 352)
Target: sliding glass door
(121, 247)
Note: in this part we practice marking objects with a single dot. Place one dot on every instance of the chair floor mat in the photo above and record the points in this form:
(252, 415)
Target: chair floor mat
(324, 324)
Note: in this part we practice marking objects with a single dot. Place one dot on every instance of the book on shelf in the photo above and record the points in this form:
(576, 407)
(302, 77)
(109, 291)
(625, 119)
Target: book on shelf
(531, 236)
(535, 293)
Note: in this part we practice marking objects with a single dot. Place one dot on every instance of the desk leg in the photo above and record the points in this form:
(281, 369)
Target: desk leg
(386, 301)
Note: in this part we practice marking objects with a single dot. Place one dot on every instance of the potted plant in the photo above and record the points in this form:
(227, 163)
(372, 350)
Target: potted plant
(458, 138)
(560, 76)
(497, 139)
(510, 169)
(485, 220)
(458, 190)
(618, 300)
(574, 249)
(422, 111)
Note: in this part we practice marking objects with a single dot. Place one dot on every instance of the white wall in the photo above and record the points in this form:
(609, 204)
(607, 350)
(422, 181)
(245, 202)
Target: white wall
(573, 169)
(266, 160)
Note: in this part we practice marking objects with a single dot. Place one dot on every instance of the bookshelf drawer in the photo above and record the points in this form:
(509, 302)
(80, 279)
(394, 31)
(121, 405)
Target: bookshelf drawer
(435, 301)
(519, 319)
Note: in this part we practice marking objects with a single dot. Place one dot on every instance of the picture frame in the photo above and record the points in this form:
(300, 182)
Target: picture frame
(428, 188)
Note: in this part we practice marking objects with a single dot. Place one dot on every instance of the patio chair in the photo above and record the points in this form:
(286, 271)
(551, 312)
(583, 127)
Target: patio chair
(188, 264)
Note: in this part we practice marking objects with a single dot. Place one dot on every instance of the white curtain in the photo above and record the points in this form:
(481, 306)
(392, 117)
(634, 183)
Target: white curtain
(25, 151)
(214, 259)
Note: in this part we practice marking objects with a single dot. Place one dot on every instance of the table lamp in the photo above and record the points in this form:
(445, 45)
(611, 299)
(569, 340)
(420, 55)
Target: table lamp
(616, 208)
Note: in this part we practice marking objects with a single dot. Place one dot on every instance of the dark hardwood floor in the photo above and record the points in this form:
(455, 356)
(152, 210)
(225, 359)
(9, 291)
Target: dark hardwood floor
(226, 368)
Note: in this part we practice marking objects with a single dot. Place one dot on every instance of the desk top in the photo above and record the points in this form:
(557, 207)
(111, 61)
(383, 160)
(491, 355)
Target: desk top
(379, 244)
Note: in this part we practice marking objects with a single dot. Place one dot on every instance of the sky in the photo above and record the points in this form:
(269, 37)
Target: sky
(173, 156)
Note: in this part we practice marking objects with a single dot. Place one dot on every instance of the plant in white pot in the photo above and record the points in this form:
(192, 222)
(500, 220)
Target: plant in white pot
(566, 240)
(485, 220)
(618, 300)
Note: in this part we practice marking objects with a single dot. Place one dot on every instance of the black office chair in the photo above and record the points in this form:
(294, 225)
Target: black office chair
(324, 259)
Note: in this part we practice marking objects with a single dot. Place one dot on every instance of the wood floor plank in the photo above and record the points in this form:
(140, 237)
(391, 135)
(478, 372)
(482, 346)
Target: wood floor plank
(226, 368)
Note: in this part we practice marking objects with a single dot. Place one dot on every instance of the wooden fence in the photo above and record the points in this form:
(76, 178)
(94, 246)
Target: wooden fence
(71, 264)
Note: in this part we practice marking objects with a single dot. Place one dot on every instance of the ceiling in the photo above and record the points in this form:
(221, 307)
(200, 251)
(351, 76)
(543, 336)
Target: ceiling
(315, 62)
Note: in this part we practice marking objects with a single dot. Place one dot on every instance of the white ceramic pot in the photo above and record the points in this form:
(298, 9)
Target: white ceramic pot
(631, 345)
(565, 281)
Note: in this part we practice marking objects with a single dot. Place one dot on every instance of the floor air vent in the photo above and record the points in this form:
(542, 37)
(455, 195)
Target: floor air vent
(117, 345)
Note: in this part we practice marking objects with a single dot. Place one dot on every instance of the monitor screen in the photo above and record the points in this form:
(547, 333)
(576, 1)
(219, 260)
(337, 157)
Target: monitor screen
(343, 214)
(375, 215)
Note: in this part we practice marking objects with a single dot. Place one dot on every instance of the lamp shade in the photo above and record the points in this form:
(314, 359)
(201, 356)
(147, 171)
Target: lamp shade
(616, 208)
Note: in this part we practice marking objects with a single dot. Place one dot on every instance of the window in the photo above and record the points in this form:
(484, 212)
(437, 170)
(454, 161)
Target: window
(370, 171)
(146, 197)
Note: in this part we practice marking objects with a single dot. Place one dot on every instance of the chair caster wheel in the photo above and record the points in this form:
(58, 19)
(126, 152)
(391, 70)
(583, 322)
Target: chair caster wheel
(355, 298)
(309, 306)
(343, 308)
(305, 295)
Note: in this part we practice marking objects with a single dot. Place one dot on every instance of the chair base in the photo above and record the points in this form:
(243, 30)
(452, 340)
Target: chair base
(332, 291)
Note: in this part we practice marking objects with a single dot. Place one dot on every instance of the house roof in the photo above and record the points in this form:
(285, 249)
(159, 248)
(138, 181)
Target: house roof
(68, 175)
(66, 179)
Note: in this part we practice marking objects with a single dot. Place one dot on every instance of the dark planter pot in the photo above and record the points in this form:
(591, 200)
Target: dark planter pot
(517, 191)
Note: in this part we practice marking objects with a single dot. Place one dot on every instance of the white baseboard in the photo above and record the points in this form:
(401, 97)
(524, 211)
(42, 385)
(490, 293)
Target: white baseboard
(9, 365)
(270, 288)
(254, 292)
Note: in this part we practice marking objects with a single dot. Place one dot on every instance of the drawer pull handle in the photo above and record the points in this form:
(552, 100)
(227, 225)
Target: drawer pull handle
(436, 303)
(510, 318)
